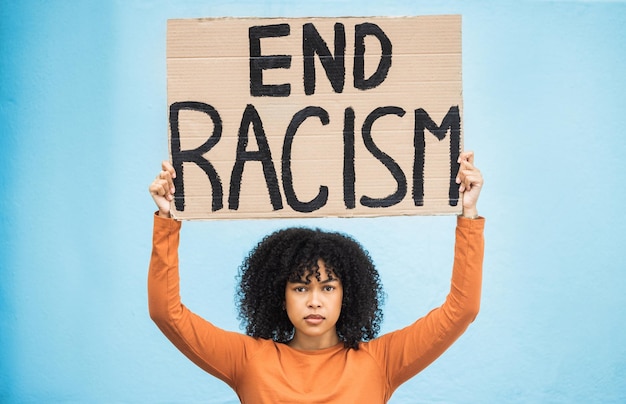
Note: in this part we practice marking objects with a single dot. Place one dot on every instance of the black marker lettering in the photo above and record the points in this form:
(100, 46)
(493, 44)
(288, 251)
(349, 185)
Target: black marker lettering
(258, 62)
(335, 67)
(387, 161)
(322, 196)
(361, 31)
(349, 177)
(251, 117)
(451, 122)
(194, 156)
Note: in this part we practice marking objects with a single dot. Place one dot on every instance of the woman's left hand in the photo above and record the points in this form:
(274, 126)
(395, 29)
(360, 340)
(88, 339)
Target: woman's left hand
(470, 182)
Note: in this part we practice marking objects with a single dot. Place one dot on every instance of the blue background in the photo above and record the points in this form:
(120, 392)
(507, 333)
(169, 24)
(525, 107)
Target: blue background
(83, 130)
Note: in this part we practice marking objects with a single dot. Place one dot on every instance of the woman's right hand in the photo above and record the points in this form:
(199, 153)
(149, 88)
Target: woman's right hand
(162, 188)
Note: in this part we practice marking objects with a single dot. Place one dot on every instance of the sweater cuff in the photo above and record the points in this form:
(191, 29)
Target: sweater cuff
(166, 223)
(471, 224)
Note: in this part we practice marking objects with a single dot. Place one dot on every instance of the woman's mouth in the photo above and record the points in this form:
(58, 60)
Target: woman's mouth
(314, 319)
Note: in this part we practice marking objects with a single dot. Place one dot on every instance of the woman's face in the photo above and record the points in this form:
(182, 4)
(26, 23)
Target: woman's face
(313, 307)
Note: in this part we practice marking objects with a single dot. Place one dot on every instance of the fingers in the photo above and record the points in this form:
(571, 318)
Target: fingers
(167, 166)
(470, 179)
(163, 184)
(468, 176)
(161, 188)
(467, 156)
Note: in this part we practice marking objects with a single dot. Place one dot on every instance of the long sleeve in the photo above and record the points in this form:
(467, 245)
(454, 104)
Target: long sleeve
(163, 280)
(406, 352)
(220, 353)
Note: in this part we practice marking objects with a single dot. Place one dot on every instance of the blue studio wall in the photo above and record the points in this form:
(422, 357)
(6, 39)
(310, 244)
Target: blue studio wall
(84, 128)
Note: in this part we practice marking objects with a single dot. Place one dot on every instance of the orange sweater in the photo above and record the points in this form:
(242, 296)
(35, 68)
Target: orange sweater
(263, 371)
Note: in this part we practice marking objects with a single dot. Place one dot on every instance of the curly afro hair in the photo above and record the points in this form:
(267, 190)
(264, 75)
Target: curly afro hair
(292, 254)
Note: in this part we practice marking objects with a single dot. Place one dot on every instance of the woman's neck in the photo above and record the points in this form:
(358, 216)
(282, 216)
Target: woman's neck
(304, 343)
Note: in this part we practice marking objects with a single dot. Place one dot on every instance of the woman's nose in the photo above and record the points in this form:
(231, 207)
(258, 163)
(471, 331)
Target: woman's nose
(314, 300)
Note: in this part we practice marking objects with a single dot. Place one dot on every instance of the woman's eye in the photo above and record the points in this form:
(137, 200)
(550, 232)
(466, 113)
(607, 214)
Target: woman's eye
(300, 289)
(329, 288)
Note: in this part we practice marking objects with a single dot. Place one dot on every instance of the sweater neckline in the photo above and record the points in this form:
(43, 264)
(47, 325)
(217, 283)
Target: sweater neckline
(337, 347)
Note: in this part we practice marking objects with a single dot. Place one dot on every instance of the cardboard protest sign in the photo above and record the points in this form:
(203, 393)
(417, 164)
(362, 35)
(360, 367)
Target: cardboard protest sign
(312, 117)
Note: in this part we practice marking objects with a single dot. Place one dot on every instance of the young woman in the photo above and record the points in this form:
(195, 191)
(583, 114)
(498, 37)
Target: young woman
(310, 301)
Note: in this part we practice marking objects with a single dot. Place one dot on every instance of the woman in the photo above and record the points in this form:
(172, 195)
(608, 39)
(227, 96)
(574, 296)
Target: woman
(310, 301)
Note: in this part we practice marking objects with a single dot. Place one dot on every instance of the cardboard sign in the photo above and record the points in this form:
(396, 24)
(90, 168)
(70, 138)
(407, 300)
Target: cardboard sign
(314, 117)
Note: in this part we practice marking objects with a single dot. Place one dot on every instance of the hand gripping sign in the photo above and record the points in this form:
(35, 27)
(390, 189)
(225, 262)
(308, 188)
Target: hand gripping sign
(314, 117)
